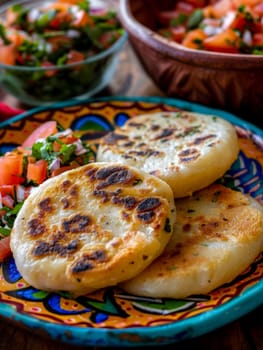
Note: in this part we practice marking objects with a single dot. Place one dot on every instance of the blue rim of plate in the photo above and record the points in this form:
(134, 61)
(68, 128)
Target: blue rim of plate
(176, 331)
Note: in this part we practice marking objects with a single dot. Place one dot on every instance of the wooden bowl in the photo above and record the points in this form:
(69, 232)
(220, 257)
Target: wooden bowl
(233, 82)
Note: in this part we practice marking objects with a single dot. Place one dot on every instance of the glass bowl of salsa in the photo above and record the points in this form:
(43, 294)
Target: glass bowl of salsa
(57, 50)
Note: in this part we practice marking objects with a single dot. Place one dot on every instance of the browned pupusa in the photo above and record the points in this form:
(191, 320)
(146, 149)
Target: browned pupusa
(92, 227)
(218, 233)
(187, 150)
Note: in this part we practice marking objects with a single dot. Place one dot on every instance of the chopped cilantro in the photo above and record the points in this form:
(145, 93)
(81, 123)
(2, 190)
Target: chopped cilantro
(195, 19)
(10, 215)
(180, 19)
(241, 8)
(44, 19)
(84, 5)
(3, 36)
(17, 8)
(66, 153)
(4, 231)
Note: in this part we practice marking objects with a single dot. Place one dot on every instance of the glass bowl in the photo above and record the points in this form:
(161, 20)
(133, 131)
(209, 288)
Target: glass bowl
(44, 85)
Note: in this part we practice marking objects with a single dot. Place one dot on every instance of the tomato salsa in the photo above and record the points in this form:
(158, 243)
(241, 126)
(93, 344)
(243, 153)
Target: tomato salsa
(227, 26)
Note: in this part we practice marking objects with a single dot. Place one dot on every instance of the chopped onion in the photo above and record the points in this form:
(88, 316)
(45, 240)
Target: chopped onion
(20, 193)
(210, 30)
(55, 164)
(80, 149)
(71, 33)
(33, 15)
(247, 38)
(98, 11)
(228, 19)
(63, 133)
(1, 204)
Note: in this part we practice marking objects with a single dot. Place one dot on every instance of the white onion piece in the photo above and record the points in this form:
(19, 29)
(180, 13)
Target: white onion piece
(247, 38)
(20, 193)
(80, 149)
(55, 164)
(210, 30)
(71, 33)
(63, 133)
(33, 15)
(228, 19)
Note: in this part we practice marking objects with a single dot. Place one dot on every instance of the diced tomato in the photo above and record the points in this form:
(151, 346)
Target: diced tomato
(194, 39)
(55, 23)
(7, 189)
(49, 72)
(37, 172)
(257, 27)
(247, 3)
(69, 139)
(61, 18)
(108, 38)
(5, 249)
(11, 168)
(8, 201)
(197, 3)
(62, 170)
(239, 22)
(7, 54)
(178, 33)
(17, 38)
(258, 39)
(59, 41)
(75, 56)
(227, 41)
(56, 146)
(242, 22)
(43, 131)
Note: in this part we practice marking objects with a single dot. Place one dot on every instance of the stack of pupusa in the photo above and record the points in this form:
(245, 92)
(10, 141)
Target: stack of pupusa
(111, 221)
(218, 232)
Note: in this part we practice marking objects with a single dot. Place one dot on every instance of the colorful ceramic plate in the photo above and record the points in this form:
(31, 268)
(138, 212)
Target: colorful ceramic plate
(111, 317)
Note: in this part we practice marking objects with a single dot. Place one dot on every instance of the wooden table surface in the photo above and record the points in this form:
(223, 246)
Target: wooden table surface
(243, 334)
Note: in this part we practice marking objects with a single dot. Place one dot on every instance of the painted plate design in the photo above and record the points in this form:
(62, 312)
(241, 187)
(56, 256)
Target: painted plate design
(112, 317)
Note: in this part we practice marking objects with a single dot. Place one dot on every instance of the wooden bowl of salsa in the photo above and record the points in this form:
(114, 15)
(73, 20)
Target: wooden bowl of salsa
(205, 52)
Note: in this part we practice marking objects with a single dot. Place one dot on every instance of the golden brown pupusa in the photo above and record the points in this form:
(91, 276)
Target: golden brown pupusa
(92, 227)
(218, 233)
(187, 150)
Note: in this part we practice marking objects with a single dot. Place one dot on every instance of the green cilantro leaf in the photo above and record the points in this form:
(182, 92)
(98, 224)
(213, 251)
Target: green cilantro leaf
(3, 36)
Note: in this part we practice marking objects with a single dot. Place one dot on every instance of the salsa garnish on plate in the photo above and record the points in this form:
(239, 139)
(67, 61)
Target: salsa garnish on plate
(47, 152)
